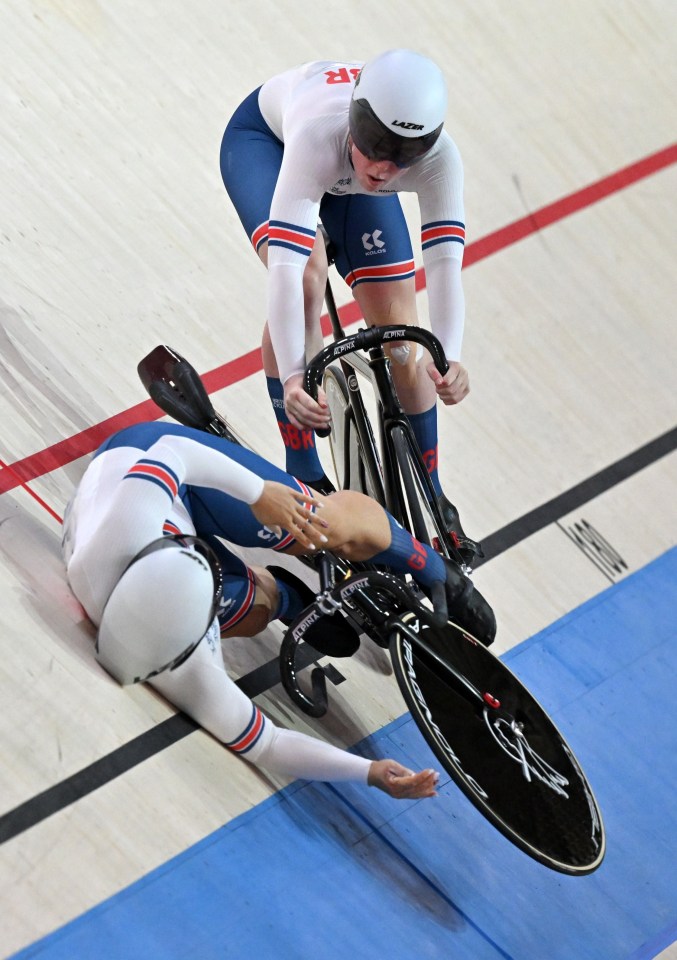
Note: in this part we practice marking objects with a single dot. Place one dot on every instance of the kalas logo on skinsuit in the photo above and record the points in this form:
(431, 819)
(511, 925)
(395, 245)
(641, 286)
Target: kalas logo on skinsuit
(373, 240)
(406, 125)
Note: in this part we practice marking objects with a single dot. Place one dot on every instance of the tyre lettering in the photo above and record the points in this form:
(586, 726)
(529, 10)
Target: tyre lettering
(411, 673)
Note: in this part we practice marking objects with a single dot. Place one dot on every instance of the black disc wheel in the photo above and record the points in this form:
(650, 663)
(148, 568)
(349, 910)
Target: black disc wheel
(498, 744)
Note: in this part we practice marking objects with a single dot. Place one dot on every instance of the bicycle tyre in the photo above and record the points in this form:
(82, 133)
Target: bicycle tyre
(351, 468)
(336, 390)
(536, 795)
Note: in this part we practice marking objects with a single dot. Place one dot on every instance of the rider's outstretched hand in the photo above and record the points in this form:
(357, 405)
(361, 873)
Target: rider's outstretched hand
(453, 386)
(401, 783)
(304, 412)
(281, 508)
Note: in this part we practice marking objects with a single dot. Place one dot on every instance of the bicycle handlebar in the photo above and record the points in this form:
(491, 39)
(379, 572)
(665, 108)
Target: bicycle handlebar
(366, 339)
(357, 591)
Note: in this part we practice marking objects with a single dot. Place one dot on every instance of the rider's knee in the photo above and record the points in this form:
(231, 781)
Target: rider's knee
(358, 526)
(262, 609)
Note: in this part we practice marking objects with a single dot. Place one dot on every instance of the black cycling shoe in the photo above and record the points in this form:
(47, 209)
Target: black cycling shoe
(331, 635)
(323, 484)
(467, 607)
(470, 550)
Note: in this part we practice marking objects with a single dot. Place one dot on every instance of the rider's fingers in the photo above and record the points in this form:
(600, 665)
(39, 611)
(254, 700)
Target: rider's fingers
(306, 498)
(307, 520)
(306, 402)
(304, 419)
(420, 784)
(304, 530)
(306, 539)
(301, 405)
(435, 375)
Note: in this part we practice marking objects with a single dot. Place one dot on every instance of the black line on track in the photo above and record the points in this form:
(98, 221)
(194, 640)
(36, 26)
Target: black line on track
(574, 498)
(170, 731)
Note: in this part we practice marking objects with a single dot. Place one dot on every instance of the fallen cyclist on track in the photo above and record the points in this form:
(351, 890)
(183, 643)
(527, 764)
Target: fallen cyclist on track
(143, 556)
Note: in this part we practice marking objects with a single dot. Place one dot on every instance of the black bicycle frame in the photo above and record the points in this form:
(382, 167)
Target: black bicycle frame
(385, 476)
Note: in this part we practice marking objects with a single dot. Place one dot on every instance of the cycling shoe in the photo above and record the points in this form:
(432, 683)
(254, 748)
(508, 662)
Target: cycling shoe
(470, 550)
(467, 607)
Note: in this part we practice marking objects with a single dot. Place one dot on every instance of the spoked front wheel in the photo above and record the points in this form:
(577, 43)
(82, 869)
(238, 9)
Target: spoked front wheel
(498, 745)
(355, 468)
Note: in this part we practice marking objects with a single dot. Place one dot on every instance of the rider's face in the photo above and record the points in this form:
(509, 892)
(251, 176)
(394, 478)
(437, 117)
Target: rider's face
(372, 174)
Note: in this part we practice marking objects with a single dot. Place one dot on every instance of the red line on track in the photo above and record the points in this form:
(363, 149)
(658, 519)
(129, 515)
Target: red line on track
(59, 454)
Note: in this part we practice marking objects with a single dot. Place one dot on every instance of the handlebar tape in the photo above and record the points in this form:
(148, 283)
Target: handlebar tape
(367, 339)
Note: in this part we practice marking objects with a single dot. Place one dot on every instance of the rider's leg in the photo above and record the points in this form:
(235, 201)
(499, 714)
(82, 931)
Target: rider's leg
(394, 301)
(251, 157)
(255, 596)
(374, 255)
(360, 529)
(274, 598)
(252, 596)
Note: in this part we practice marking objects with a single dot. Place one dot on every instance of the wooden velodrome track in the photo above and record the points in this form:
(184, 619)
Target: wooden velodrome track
(117, 235)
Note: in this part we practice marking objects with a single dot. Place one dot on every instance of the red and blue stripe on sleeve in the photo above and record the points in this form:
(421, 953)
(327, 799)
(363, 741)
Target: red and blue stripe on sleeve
(155, 472)
(298, 239)
(260, 235)
(442, 231)
(250, 735)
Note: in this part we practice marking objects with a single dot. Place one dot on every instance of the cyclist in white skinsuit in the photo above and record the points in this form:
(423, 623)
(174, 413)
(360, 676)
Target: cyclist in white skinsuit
(307, 108)
(336, 142)
(149, 584)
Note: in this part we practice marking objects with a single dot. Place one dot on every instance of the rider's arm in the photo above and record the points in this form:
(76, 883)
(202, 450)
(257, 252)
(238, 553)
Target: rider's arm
(439, 184)
(447, 304)
(203, 466)
(286, 321)
(133, 514)
(201, 688)
(309, 166)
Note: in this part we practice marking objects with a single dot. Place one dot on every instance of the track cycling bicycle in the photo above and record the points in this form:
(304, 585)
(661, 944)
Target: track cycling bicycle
(386, 464)
(486, 729)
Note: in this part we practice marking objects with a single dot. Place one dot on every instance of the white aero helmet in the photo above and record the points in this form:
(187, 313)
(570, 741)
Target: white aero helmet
(398, 107)
(161, 607)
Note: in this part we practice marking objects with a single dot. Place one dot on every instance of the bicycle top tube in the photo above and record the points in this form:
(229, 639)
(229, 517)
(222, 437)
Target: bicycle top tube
(367, 339)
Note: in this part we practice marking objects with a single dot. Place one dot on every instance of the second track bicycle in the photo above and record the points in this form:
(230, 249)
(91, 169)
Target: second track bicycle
(486, 729)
